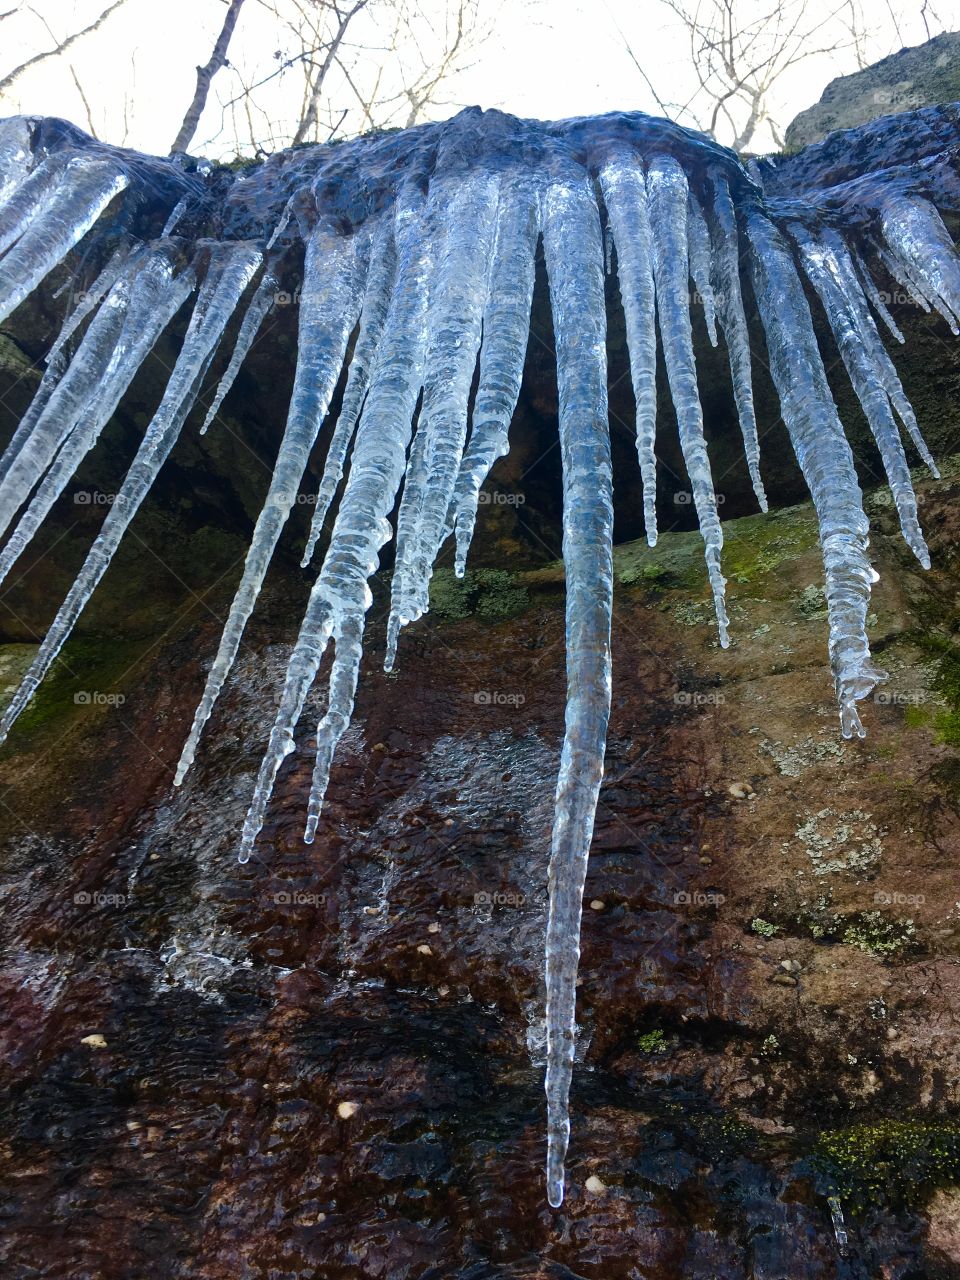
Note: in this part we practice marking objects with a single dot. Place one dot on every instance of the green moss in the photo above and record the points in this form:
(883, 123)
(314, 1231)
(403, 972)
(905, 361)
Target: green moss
(491, 594)
(891, 1161)
(89, 676)
(878, 936)
(764, 928)
(652, 1042)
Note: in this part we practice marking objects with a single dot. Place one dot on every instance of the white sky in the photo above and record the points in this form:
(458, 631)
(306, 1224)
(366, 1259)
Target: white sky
(546, 58)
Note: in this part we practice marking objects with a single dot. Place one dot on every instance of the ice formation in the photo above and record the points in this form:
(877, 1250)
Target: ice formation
(419, 252)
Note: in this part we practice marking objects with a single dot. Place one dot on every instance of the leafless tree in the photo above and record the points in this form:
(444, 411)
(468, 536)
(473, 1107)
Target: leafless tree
(60, 45)
(205, 74)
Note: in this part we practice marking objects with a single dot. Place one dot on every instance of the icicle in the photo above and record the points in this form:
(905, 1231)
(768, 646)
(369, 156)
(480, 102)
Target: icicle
(733, 321)
(506, 325)
(698, 248)
(31, 198)
(574, 254)
(155, 298)
(373, 315)
(915, 232)
(625, 195)
(329, 305)
(873, 293)
(454, 320)
(667, 186)
(341, 595)
(122, 257)
(176, 213)
(847, 320)
(87, 188)
(78, 385)
(874, 348)
(230, 271)
(903, 275)
(258, 310)
(825, 459)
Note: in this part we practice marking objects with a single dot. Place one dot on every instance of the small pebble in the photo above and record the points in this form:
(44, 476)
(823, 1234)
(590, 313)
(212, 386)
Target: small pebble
(96, 1041)
(740, 790)
(424, 950)
(784, 980)
(597, 905)
(434, 927)
(791, 966)
(706, 862)
(347, 1109)
(380, 746)
(371, 911)
(594, 1184)
(448, 822)
(443, 991)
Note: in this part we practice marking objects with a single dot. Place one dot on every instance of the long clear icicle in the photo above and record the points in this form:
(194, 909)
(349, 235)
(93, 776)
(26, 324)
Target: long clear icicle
(454, 321)
(825, 459)
(373, 315)
(667, 187)
(228, 274)
(698, 247)
(823, 270)
(733, 322)
(156, 297)
(260, 306)
(574, 253)
(329, 305)
(873, 345)
(16, 155)
(341, 595)
(87, 187)
(625, 195)
(506, 326)
(873, 293)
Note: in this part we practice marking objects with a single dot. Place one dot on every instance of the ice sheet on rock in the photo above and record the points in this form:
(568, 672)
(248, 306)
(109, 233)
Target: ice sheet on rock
(84, 191)
(373, 315)
(230, 270)
(667, 189)
(725, 239)
(329, 305)
(849, 318)
(915, 233)
(260, 306)
(506, 325)
(341, 595)
(625, 196)
(155, 296)
(468, 204)
(16, 154)
(825, 459)
(574, 254)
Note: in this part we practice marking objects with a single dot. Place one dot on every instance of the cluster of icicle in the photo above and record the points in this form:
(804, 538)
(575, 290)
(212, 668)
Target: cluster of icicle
(424, 286)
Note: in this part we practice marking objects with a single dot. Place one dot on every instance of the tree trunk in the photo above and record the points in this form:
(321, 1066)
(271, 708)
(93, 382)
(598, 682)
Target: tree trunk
(205, 75)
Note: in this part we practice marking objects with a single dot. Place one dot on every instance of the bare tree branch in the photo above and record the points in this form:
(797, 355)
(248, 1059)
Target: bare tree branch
(62, 47)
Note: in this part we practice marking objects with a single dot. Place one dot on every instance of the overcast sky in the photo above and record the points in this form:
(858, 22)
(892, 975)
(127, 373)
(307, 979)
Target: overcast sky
(545, 58)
